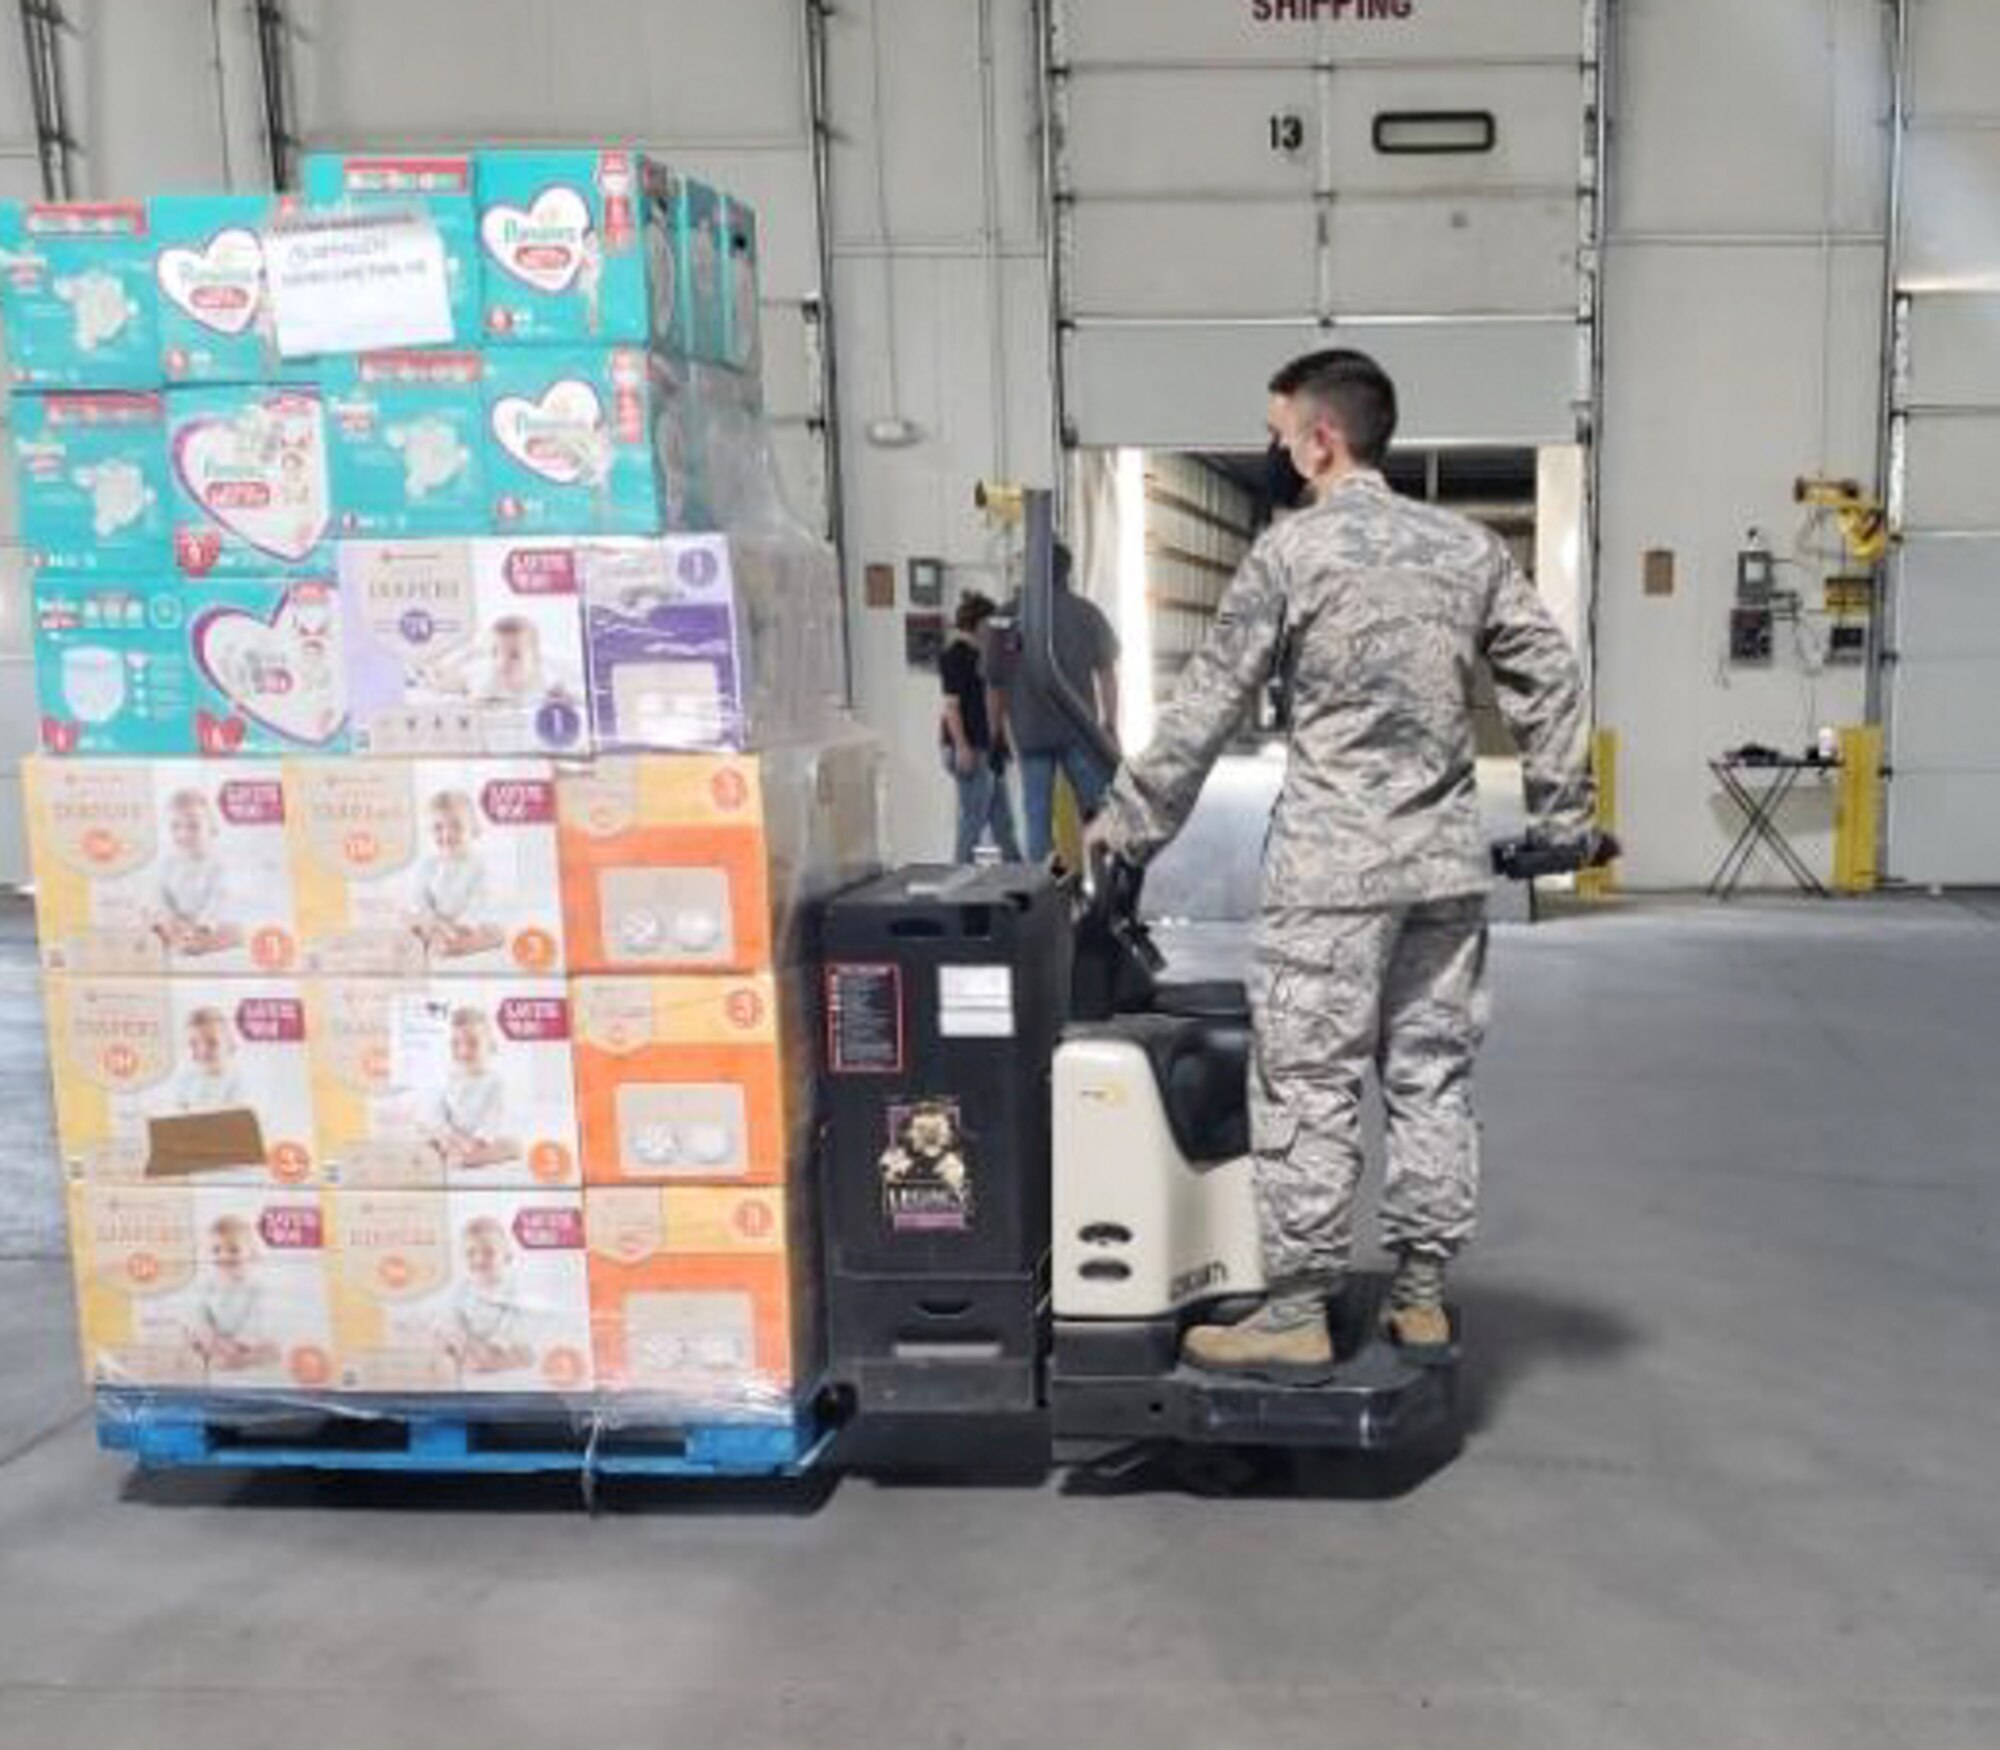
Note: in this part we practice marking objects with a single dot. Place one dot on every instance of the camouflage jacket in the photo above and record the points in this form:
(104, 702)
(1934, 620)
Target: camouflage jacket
(1373, 609)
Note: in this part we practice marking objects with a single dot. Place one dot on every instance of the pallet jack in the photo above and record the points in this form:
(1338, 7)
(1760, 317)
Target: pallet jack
(1120, 1186)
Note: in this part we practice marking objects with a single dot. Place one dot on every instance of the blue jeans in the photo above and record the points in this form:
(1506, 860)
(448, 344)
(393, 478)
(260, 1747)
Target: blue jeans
(1087, 777)
(984, 805)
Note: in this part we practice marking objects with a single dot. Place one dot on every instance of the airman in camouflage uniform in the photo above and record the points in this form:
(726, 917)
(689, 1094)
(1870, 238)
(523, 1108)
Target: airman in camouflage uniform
(1373, 610)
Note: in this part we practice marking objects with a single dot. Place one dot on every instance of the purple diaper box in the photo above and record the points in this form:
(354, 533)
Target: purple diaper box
(709, 641)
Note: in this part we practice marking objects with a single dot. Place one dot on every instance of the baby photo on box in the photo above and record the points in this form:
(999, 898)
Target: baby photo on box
(222, 1289)
(76, 295)
(406, 866)
(157, 866)
(91, 471)
(469, 646)
(461, 1082)
(464, 1291)
(251, 494)
(173, 1080)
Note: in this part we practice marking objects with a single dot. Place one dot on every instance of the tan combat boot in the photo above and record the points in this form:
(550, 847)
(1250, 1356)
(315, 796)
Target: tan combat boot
(1414, 1316)
(1284, 1341)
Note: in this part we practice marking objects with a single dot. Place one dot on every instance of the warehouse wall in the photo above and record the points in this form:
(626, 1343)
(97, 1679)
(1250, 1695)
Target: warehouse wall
(1743, 343)
(942, 312)
(1744, 277)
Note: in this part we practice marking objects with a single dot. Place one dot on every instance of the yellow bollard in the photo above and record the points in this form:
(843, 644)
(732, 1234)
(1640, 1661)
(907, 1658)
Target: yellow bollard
(1603, 883)
(1857, 810)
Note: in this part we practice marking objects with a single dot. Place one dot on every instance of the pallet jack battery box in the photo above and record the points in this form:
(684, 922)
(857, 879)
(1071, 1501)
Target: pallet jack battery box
(945, 993)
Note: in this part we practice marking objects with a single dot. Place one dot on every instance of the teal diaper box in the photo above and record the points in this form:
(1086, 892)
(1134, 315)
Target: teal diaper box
(215, 308)
(588, 441)
(406, 443)
(715, 315)
(76, 295)
(437, 184)
(575, 246)
(91, 474)
(251, 494)
(151, 666)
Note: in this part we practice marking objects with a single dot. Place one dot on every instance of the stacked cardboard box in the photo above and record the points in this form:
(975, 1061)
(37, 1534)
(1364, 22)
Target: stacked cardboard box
(324, 647)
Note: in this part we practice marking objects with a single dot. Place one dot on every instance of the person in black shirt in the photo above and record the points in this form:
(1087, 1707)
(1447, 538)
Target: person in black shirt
(973, 755)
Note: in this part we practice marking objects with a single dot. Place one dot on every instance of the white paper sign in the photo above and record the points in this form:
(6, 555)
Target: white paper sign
(358, 283)
(976, 1002)
(419, 1042)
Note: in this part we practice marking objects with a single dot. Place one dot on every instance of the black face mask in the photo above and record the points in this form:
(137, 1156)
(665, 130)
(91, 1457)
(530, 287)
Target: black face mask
(1284, 485)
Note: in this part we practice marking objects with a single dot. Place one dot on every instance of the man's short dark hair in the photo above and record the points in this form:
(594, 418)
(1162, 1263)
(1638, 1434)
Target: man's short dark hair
(1063, 564)
(1354, 393)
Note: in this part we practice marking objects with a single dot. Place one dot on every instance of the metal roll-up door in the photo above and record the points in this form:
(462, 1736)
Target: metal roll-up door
(1943, 679)
(1235, 184)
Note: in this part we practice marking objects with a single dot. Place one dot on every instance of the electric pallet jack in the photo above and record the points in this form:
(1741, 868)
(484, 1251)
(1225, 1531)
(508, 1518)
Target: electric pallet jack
(1037, 1176)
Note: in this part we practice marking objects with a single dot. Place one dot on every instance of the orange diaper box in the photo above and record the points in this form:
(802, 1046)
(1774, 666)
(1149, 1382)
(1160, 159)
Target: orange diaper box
(459, 1291)
(691, 1079)
(463, 1082)
(161, 865)
(709, 862)
(181, 1081)
(412, 866)
(220, 1288)
(702, 1294)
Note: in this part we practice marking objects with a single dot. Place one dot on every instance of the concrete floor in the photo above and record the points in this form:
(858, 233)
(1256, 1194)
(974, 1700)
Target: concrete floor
(1732, 1326)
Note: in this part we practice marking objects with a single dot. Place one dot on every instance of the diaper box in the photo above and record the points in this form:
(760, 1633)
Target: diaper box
(160, 866)
(588, 441)
(700, 642)
(251, 494)
(77, 297)
(219, 667)
(701, 1295)
(406, 442)
(575, 246)
(219, 1288)
(174, 1080)
(473, 647)
(713, 862)
(696, 1079)
(715, 260)
(215, 309)
(95, 492)
(437, 185)
(460, 1291)
(407, 866)
(443, 1082)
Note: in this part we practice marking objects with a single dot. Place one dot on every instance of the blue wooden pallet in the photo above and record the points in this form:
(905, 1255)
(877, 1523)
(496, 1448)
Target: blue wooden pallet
(163, 1433)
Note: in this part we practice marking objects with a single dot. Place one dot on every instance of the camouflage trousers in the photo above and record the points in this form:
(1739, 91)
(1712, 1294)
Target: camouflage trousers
(1333, 993)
